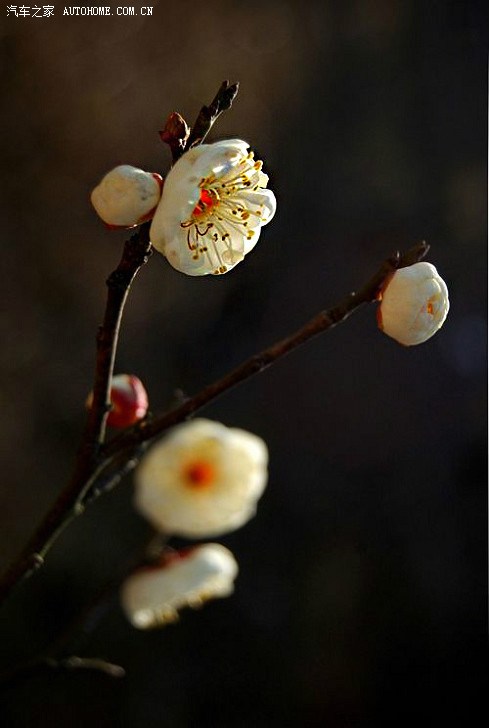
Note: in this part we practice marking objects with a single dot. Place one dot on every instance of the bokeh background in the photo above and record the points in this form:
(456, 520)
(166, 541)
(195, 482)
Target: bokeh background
(362, 594)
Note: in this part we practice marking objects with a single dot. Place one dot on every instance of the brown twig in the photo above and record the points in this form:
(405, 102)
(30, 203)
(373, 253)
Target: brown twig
(99, 468)
(69, 504)
(104, 481)
(208, 115)
(96, 476)
(176, 132)
(65, 664)
(57, 656)
(73, 499)
(124, 447)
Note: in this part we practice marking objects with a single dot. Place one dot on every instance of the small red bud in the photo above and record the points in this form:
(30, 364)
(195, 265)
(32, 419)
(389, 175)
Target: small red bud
(129, 401)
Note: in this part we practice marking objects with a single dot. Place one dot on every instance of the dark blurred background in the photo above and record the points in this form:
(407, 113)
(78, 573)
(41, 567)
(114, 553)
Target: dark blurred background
(361, 599)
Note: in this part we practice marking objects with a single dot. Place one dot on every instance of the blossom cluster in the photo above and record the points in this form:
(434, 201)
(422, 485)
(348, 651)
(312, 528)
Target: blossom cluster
(201, 480)
(208, 213)
(207, 216)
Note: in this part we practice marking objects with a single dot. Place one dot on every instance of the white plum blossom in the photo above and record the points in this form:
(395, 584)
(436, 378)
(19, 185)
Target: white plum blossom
(127, 196)
(212, 208)
(152, 596)
(202, 479)
(414, 304)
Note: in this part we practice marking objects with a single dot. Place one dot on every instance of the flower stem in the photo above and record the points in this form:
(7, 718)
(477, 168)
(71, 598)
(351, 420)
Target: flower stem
(208, 115)
(124, 448)
(73, 499)
(66, 664)
(99, 468)
(70, 504)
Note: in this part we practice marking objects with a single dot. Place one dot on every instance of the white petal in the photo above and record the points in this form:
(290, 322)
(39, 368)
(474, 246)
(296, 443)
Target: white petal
(126, 195)
(152, 597)
(215, 237)
(414, 304)
(239, 463)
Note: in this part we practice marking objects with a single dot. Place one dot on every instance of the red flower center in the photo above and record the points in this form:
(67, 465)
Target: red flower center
(205, 203)
(199, 474)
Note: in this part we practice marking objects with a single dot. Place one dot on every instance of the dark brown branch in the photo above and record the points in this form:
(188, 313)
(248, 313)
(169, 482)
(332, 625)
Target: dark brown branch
(176, 132)
(69, 503)
(123, 447)
(208, 115)
(104, 481)
(72, 500)
(74, 635)
(65, 664)
(122, 451)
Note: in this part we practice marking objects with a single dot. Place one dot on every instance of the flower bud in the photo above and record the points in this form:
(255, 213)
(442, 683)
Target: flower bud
(152, 596)
(414, 304)
(127, 196)
(176, 131)
(128, 399)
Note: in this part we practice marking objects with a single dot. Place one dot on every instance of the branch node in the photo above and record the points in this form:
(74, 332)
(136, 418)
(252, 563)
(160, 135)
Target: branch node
(37, 560)
(208, 115)
(78, 509)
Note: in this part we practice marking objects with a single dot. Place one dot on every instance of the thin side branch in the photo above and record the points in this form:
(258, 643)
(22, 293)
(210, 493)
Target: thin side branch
(176, 132)
(208, 115)
(70, 501)
(124, 447)
(65, 664)
(103, 481)
(89, 466)
(122, 454)
(59, 655)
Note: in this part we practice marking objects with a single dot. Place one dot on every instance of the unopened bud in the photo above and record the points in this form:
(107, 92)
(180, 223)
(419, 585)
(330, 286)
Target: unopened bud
(176, 131)
(414, 304)
(127, 196)
(128, 399)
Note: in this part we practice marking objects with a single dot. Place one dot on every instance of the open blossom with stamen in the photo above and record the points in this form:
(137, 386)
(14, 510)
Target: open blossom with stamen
(213, 206)
(414, 304)
(202, 479)
(152, 596)
(127, 196)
